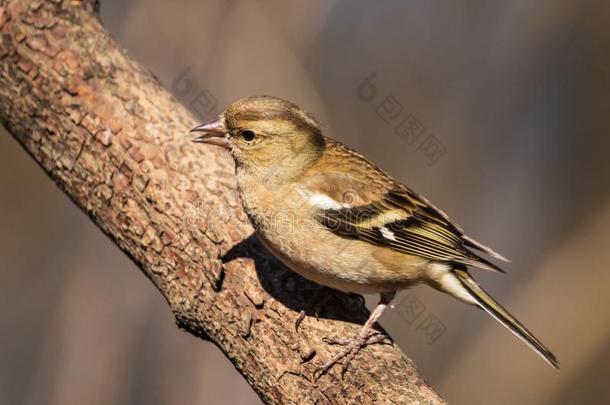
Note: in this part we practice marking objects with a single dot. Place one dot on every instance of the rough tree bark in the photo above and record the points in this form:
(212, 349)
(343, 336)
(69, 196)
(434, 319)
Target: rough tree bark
(108, 133)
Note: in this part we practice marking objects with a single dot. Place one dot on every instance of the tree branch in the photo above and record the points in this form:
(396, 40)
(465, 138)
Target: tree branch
(109, 134)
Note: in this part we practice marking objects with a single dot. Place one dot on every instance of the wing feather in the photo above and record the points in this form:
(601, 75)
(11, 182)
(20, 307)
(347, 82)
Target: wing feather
(420, 230)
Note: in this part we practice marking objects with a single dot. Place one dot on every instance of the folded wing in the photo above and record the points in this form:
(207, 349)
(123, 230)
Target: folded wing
(406, 222)
(373, 207)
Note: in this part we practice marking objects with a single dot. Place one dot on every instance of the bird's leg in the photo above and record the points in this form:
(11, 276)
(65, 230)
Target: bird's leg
(366, 336)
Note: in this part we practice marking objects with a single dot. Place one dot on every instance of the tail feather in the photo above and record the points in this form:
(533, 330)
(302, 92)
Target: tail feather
(504, 317)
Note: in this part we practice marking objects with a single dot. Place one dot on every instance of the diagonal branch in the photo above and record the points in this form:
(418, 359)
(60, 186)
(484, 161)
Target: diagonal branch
(109, 134)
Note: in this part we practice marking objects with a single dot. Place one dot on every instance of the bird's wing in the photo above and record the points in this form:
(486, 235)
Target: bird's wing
(372, 207)
(427, 209)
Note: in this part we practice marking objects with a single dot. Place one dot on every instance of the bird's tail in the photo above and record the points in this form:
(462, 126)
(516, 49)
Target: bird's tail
(504, 317)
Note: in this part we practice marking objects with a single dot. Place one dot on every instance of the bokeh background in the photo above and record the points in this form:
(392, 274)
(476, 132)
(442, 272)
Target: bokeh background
(516, 93)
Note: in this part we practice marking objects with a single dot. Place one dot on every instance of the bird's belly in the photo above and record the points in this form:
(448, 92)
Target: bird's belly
(344, 264)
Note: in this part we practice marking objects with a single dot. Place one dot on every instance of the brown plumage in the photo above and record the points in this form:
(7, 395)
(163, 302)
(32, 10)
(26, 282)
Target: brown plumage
(334, 217)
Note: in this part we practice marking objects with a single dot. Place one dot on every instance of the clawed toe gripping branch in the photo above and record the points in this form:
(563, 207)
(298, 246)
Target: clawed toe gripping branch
(352, 347)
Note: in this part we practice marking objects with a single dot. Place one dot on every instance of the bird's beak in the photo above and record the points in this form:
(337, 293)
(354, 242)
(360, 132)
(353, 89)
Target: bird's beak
(214, 132)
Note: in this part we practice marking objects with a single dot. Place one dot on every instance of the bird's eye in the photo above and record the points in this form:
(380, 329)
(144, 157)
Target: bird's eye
(248, 135)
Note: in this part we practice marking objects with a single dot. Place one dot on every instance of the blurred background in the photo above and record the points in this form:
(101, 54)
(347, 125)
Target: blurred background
(496, 111)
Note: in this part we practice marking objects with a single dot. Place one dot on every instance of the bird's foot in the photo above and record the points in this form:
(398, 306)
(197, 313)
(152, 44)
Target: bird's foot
(352, 347)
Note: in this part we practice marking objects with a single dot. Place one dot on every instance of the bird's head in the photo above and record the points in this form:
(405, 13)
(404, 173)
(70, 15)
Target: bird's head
(266, 135)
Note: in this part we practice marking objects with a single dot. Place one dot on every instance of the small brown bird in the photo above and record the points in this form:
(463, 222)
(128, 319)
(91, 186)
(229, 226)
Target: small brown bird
(335, 218)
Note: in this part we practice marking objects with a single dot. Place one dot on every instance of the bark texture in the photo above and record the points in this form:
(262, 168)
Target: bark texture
(109, 134)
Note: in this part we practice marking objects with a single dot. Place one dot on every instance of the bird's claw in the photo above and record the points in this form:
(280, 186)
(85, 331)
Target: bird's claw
(352, 347)
(321, 297)
(299, 319)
